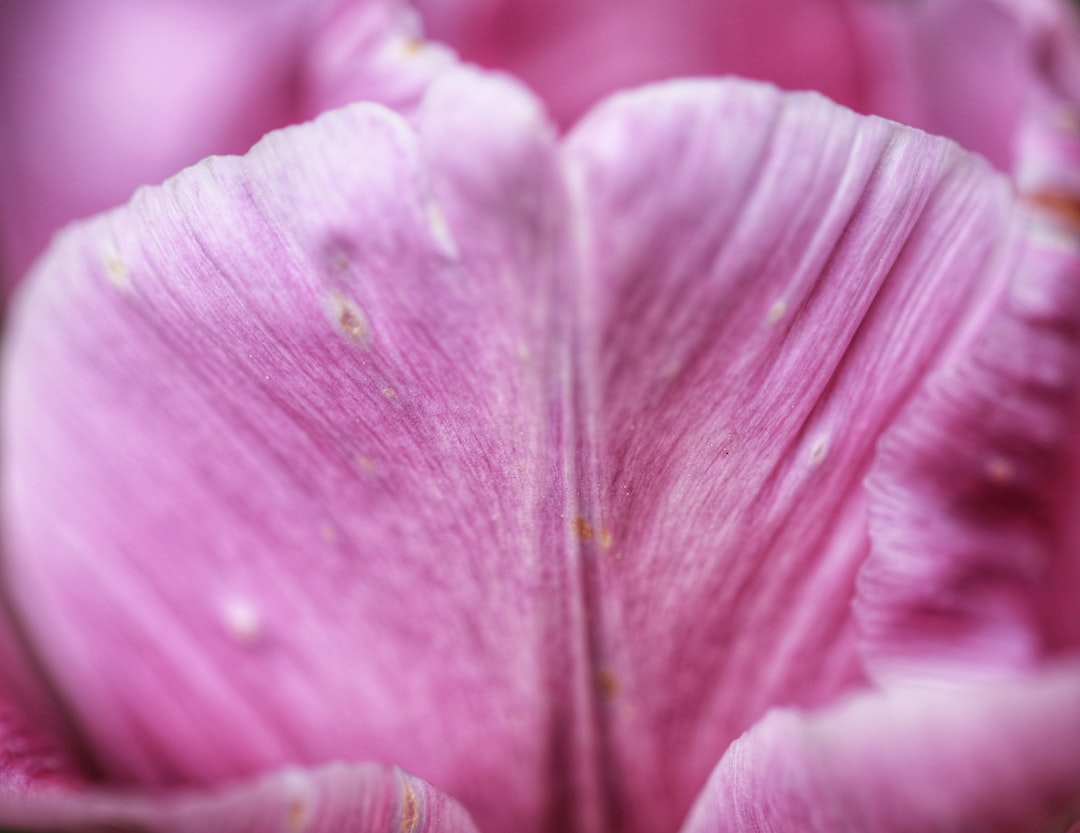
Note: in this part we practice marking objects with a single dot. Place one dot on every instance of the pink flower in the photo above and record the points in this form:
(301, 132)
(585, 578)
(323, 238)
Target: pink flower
(708, 466)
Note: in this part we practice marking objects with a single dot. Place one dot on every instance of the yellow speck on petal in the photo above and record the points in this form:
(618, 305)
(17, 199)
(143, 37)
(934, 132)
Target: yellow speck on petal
(582, 528)
(1060, 205)
(411, 46)
(605, 539)
(777, 311)
(297, 815)
(607, 682)
(410, 810)
(116, 270)
(349, 318)
(389, 392)
(1000, 471)
(366, 465)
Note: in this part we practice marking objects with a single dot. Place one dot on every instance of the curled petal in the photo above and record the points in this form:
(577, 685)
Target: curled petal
(1004, 758)
(362, 798)
(972, 569)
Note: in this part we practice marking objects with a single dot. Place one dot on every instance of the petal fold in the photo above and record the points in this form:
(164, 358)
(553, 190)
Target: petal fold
(972, 569)
(1002, 758)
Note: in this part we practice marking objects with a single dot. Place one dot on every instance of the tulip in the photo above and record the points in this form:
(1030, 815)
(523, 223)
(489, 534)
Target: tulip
(705, 464)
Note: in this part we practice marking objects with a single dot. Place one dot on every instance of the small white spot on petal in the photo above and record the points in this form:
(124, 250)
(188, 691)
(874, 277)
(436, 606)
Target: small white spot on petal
(440, 229)
(389, 392)
(349, 318)
(242, 620)
(777, 311)
(818, 451)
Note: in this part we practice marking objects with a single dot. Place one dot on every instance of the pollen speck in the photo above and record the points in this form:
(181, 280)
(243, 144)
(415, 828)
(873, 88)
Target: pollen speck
(582, 528)
(411, 45)
(297, 815)
(818, 451)
(389, 392)
(366, 465)
(349, 318)
(607, 682)
(117, 271)
(1060, 205)
(1000, 471)
(242, 620)
(410, 811)
(777, 311)
(605, 539)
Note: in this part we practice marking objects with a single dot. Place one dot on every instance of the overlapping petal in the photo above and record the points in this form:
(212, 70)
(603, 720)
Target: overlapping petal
(330, 799)
(967, 69)
(1003, 758)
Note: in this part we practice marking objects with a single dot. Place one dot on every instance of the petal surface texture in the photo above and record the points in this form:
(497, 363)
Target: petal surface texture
(330, 799)
(302, 416)
(756, 325)
(534, 468)
(1002, 758)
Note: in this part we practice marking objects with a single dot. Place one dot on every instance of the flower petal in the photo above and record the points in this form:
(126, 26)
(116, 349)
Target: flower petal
(362, 798)
(278, 438)
(771, 279)
(959, 68)
(1004, 758)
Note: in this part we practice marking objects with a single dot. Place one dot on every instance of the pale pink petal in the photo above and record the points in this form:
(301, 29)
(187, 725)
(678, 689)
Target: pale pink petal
(99, 98)
(283, 474)
(335, 798)
(1003, 758)
(771, 280)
